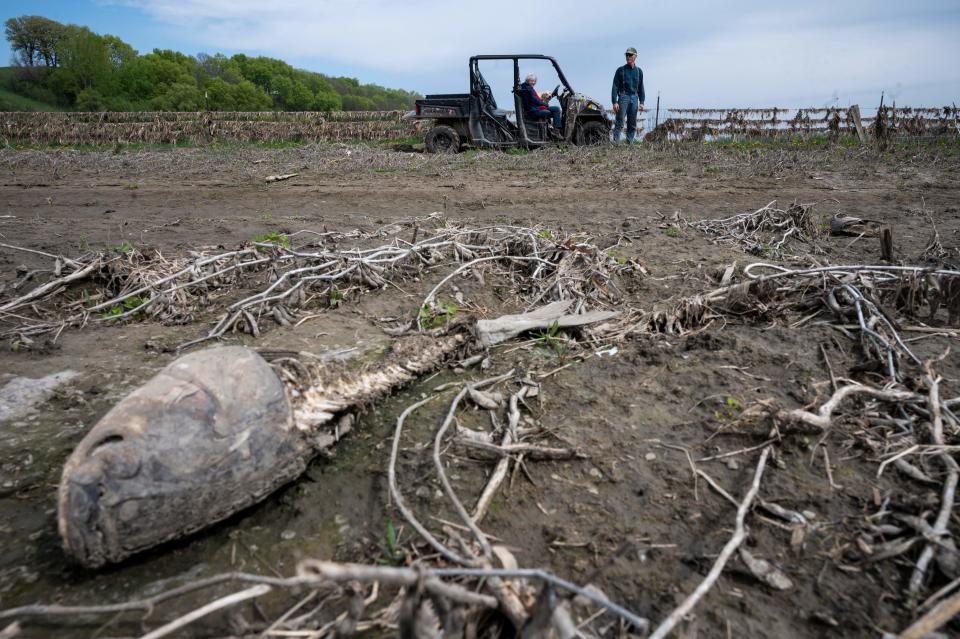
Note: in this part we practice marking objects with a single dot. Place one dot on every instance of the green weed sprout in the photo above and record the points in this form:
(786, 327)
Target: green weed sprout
(437, 315)
(127, 305)
(390, 552)
(273, 237)
(731, 407)
(551, 342)
(617, 257)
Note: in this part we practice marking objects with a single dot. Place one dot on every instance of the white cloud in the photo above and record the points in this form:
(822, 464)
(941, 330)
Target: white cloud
(699, 52)
(746, 67)
(400, 36)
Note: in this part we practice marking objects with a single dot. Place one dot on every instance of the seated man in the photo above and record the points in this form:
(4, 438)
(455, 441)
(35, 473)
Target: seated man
(533, 106)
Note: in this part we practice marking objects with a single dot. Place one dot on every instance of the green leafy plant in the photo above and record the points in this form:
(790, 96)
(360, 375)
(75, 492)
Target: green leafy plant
(129, 304)
(437, 315)
(273, 237)
(390, 552)
(616, 257)
(674, 231)
(545, 234)
(335, 297)
(124, 248)
(551, 342)
(731, 408)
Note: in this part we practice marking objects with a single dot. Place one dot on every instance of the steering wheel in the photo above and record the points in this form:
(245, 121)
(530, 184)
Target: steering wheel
(554, 93)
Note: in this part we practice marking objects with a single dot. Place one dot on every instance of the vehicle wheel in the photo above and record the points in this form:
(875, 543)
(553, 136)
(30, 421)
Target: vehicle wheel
(442, 139)
(592, 134)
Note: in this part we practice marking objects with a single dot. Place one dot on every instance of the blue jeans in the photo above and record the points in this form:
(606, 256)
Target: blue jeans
(628, 107)
(554, 112)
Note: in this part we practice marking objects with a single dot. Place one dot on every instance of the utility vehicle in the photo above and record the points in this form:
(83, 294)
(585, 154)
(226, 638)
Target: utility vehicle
(475, 119)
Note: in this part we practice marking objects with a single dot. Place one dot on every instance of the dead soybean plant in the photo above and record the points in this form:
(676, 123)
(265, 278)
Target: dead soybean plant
(307, 270)
(913, 426)
(766, 231)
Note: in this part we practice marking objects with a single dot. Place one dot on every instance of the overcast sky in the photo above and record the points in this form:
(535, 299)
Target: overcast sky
(695, 53)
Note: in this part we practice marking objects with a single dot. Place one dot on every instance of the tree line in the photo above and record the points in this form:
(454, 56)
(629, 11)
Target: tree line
(72, 67)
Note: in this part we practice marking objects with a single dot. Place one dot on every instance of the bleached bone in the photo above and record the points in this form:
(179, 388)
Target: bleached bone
(495, 331)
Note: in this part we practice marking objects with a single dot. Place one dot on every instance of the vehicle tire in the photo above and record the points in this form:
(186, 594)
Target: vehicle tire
(442, 139)
(592, 134)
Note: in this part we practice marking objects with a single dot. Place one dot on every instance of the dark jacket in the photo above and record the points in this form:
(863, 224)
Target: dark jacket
(627, 81)
(530, 100)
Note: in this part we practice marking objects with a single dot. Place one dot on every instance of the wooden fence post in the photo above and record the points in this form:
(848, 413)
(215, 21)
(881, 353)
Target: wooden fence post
(886, 244)
(855, 112)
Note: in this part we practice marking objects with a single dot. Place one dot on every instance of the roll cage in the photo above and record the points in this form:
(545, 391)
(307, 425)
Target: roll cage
(491, 125)
(475, 118)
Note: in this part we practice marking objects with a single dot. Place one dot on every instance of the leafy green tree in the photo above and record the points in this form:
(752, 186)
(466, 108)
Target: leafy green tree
(151, 75)
(357, 103)
(300, 98)
(72, 66)
(84, 56)
(90, 100)
(220, 96)
(326, 100)
(218, 66)
(119, 52)
(180, 96)
(34, 39)
(249, 97)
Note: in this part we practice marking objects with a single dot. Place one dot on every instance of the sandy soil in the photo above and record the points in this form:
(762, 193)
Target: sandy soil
(630, 518)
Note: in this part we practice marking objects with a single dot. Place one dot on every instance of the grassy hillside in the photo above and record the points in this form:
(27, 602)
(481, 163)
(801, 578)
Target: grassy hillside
(10, 101)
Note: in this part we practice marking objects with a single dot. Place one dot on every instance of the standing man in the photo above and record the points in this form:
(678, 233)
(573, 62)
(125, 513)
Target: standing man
(627, 95)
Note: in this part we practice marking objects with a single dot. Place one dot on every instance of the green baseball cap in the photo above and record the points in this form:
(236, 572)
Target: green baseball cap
(631, 51)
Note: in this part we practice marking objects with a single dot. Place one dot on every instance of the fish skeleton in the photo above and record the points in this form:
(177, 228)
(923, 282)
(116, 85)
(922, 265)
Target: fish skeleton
(220, 429)
(211, 434)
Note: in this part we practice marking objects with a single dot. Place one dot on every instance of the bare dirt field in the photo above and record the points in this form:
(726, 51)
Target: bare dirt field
(646, 408)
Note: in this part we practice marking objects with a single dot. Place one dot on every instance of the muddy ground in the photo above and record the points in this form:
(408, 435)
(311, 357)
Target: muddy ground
(630, 518)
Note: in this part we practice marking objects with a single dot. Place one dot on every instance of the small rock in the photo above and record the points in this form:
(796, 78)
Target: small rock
(21, 394)
(595, 472)
(765, 571)
(287, 535)
(650, 456)
(423, 492)
(582, 602)
(732, 464)
(809, 514)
